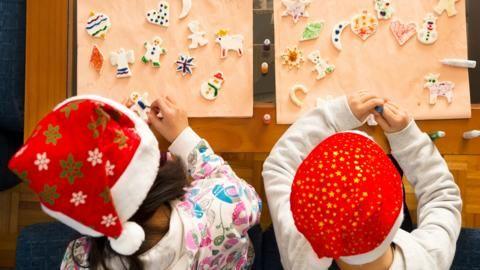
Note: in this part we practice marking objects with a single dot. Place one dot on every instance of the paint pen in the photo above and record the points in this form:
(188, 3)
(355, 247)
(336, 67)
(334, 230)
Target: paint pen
(437, 135)
(379, 109)
(462, 63)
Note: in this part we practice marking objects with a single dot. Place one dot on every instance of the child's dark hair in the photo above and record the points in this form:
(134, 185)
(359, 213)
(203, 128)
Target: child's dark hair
(169, 185)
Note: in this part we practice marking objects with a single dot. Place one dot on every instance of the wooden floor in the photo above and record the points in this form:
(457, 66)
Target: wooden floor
(20, 208)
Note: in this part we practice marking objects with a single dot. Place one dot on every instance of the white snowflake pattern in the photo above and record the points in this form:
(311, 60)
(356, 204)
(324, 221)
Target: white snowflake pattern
(78, 198)
(95, 157)
(109, 168)
(42, 161)
(109, 220)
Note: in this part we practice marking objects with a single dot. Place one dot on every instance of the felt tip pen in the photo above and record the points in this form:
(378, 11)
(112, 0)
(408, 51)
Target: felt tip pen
(459, 63)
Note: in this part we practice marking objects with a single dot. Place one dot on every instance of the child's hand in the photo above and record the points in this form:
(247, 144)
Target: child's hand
(393, 119)
(363, 103)
(167, 118)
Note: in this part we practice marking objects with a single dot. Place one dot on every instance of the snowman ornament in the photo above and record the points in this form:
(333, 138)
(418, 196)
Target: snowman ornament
(428, 33)
(209, 90)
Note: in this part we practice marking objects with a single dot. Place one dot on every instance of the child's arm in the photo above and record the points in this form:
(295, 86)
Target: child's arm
(439, 201)
(281, 165)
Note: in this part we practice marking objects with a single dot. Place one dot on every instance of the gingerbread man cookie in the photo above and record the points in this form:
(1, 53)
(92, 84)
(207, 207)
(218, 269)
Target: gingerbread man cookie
(154, 51)
(322, 67)
(446, 5)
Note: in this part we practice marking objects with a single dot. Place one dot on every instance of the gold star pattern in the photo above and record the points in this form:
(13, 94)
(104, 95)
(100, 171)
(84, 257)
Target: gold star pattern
(52, 134)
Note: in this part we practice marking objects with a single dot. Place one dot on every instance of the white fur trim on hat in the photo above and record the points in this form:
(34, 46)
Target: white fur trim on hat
(378, 251)
(130, 240)
(133, 185)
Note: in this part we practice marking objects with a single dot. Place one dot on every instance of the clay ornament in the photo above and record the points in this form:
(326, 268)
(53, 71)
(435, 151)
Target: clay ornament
(96, 59)
(428, 33)
(160, 16)
(403, 32)
(209, 90)
(185, 64)
(384, 9)
(293, 57)
(337, 33)
(446, 5)
(198, 36)
(364, 25)
(141, 105)
(98, 25)
(296, 9)
(321, 66)
(186, 6)
(293, 94)
(229, 42)
(438, 89)
(154, 51)
(312, 30)
(121, 60)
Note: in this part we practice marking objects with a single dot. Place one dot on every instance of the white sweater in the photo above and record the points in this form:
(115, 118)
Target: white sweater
(431, 246)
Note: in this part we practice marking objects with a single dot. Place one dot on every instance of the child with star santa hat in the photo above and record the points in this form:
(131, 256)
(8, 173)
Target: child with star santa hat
(335, 196)
(96, 166)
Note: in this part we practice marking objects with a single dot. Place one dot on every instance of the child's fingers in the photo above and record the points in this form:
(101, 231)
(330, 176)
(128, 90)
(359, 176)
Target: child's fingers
(165, 107)
(367, 96)
(381, 121)
(371, 104)
(390, 115)
(171, 101)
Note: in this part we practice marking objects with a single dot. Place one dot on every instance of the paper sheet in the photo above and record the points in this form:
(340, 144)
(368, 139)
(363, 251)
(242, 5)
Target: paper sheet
(378, 64)
(130, 30)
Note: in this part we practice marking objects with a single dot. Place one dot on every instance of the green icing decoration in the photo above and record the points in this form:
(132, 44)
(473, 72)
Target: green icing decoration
(71, 169)
(52, 134)
(312, 30)
(49, 194)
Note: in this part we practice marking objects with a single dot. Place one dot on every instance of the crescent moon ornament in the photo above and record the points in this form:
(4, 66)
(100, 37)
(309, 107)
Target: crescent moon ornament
(337, 33)
(186, 6)
(293, 94)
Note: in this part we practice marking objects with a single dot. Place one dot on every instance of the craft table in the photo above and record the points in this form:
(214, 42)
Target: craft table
(245, 143)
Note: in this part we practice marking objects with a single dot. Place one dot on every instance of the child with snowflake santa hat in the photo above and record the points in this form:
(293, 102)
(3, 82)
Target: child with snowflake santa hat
(96, 166)
(335, 196)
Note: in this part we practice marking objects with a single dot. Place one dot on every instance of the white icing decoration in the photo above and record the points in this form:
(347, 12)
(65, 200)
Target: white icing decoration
(321, 66)
(229, 42)
(296, 9)
(121, 60)
(384, 9)
(160, 16)
(337, 34)
(197, 36)
(209, 90)
(428, 33)
(98, 25)
(186, 6)
(293, 94)
(154, 51)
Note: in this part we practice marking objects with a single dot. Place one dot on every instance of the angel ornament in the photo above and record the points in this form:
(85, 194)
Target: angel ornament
(198, 36)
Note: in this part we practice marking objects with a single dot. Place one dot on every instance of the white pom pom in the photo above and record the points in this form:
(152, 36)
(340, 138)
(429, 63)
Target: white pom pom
(130, 240)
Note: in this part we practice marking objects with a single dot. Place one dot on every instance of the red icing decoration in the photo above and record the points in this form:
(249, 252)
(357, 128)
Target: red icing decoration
(96, 59)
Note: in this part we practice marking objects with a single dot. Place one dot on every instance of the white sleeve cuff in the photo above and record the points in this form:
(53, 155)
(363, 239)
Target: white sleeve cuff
(184, 144)
(342, 115)
(402, 139)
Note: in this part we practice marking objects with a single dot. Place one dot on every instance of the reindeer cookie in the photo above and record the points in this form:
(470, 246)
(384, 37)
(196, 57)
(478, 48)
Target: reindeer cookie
(229, 42)
(154, 51)
(321, 66)
(438, 89)
(428, 33)
(197, 37)
(446, 5)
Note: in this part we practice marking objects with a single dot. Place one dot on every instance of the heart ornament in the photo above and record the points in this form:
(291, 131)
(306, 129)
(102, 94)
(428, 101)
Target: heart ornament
(364, 25)
(160, 16)
(403, 31)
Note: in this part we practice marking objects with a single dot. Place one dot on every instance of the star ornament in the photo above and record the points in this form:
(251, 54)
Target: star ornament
(185, 64)
(296, 9)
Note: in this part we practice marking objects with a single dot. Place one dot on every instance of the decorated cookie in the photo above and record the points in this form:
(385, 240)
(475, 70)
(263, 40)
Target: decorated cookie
(96, 59)
(446, 5)
(122, 59)
(154, 51)
(198, 36)
(438, 89)
(371, 120)
(296, 9)
(321, 66)
(312, 30)
(98, 25)
(294, 94)
(384, 9)
(185, 64)
(141, 105)
(364, 25)
(428, 33)
(403, 31)
(337, 33)
(293, 57)
(229, 42)
(186, 6)
(160, 16)
(209, 90)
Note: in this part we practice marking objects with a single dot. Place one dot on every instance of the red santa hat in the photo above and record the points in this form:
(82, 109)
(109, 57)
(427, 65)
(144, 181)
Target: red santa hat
(347, 199)
(92, 162)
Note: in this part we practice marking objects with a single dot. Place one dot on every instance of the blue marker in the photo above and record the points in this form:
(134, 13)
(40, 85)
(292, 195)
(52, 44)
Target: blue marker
(379, 109)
